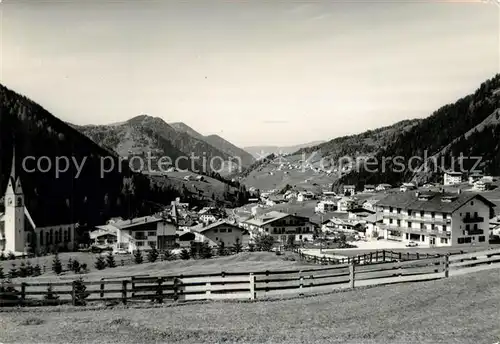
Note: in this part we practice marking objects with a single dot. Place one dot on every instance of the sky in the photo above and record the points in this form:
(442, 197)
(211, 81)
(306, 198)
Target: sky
(260, 72)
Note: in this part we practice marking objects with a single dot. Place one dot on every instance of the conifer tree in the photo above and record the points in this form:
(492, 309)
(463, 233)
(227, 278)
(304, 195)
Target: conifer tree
(185, 254)
(100, 264)
(138, 257)
(153, 255)
(110, 260)
(56, 264)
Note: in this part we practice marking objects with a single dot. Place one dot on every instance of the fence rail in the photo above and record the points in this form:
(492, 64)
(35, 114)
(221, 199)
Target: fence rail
(249, 285)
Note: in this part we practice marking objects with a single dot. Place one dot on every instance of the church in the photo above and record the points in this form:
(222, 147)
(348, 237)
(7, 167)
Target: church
(20, 234)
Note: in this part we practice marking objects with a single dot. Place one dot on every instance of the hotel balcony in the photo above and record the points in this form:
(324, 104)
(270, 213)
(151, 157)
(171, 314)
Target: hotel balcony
(435, 220)
(474, 231)
(473, 219)
(417, 230)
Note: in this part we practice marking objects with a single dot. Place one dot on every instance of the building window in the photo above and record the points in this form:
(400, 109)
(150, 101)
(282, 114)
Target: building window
(140, 243)
(229, 230)
(482, 238)
(407, 236)
(444, 240)
(433, 215)
(472, 203)
(390, 209)
(151, 233)
(399, 210)
(390, 221)
(422, 214)
(151, 244)
(140, 235)
(216, 230)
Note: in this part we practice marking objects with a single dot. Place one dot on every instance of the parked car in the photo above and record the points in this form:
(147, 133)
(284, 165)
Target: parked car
(412, 244)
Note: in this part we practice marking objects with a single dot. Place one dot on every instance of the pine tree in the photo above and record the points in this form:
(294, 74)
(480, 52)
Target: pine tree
(185, 254)
(153, 255)
(194, 250)
(251, 247)
(237, 246)
(22, 270)
(37, 270)
(13, 273)
(206, 251)
(11, 256)
(70, 264)
(138, 257)
(1, 272)
(29, 269)
(168, 255)
(221, 249)
(2, 256)
(50, 294)
(75, 266)
(81, 292)
(110, 260)
(56, 265)
(100, 264)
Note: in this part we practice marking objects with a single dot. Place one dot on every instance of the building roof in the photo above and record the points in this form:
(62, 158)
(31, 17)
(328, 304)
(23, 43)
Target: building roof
(122, 224)
(437, 201)
(269, 217)
(369, 186)
(453, 173)
(217, 224)
(385, 185)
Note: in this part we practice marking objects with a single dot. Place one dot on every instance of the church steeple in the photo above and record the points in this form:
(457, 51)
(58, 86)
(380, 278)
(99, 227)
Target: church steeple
(14, 185)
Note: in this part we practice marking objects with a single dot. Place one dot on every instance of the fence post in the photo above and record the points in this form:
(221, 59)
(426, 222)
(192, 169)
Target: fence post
(124, 291)
(23, 292)
(208, 290)
(252, 286)
(446, 266)
(383, 255)
(133, 286)
(159, 290)
(301, 286)
(73, 293)
(351, 274)
(176, 288)
(102, 288)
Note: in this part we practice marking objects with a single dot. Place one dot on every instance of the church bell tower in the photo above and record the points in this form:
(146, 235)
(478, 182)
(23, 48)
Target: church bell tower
(14, 212)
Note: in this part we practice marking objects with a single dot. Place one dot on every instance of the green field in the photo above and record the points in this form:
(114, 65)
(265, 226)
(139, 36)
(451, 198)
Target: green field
(461, 310)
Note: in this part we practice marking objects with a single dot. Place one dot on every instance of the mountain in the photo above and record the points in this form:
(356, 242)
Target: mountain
(182, 127)
(469, 127)
(260, 152)
(218, 142)
(230, 149)
(143, 134)
(83, 191)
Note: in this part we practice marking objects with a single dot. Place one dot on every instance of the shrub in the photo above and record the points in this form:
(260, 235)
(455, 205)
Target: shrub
(83, 268)
(251, 247)
(194, 250)
(13, 273)
(29, 269)
(138, 257)
(75, 266)
(2, 256)
(264, 242)
(22, 270)
(37, 270)
(110, 260)
(100, 264)
(185, 254)
(11, 256)
(1, 272)
(153, 255)
(81, 292)
(206, 251)
(8, 292)
(168, 255)
(70, 264)
(56, 264)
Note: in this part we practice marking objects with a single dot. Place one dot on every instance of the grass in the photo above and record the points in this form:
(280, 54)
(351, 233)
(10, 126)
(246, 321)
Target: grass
(420, 250)
(246, 261)
(462, 309)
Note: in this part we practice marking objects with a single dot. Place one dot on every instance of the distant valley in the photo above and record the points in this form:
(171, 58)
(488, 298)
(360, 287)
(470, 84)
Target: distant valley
(259, 152)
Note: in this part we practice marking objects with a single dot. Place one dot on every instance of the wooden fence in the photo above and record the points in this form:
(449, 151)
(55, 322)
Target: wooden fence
(367, 258)
(250, 285)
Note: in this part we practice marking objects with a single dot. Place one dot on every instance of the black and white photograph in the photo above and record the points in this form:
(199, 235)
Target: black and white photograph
(250, 171)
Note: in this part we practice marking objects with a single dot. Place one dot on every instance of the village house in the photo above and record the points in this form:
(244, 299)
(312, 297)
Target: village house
(325, 207)
(474, 177)
(369, 204)
(21, 233)
(482, 185)
(281, 226)
(144, 233)
(383, 187)
(407, 187)
(359, 214)
(209, 215)
(226, 233)
(372, 227)
(436, 218)
(346, 203)
(369, 188)
(452, 178)
(340, 222)
(349, 190)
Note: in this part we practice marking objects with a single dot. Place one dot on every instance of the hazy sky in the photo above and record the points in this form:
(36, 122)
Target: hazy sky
(255, 72)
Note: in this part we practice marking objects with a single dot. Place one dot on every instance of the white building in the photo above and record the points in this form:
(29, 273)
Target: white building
(407, 187)
(383, 187)
(224, 232)
(482, 185)
(325, 207)
(20, 233)
(346, 204)
(452, 178)
(473, 178)
(435, 218)
(369, 188)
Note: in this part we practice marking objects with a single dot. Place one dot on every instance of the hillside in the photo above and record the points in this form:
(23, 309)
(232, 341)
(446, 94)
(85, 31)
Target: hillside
(72, 196)
(260, 151)
(218, 142)
(469, 126)
(230, 149)
(143, 134)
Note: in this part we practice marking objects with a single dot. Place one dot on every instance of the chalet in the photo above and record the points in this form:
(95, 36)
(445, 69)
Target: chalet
(349, 190)
(369, 188)
(369, 204)
(325, 207)
(145, 233)
(452, 178)
(226, 233)
(22, 233)
(474, 177)
(407, 187)
(346, 203)
(372, 227)
(359, 214)
(482, 185)
(209, 214)
(281, 226)
(436, 218)
(383, 187)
